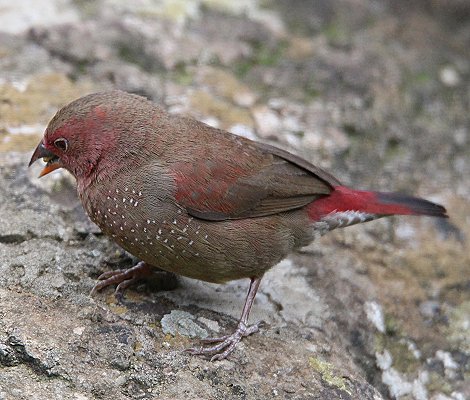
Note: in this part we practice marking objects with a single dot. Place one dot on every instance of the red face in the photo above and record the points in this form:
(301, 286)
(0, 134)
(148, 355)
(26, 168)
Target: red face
(72, 143)
(51, 154)
(95, 133)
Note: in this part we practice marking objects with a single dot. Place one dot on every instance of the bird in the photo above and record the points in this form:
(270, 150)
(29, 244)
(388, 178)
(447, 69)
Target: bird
(199, 201)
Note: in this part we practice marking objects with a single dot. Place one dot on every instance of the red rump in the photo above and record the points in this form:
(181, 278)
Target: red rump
(379, 203)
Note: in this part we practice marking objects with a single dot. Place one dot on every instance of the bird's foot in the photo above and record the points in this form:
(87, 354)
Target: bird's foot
(123, 278)
(225, 344)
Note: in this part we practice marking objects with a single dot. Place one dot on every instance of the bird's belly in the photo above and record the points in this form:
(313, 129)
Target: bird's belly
(164, 235)
(189, 247)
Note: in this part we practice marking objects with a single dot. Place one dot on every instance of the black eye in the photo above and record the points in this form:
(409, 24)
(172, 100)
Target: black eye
(61, 144)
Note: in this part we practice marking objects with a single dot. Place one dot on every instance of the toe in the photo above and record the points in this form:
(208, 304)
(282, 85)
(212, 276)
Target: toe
(225, 344)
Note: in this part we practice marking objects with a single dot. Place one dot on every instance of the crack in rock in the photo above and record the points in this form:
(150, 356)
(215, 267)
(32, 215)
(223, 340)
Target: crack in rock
(22, 355)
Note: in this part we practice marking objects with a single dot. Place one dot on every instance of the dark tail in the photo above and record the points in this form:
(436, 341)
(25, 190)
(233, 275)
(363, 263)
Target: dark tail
(398, 203)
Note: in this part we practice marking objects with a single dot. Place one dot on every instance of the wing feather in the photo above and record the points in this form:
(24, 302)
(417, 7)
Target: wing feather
(247, 180)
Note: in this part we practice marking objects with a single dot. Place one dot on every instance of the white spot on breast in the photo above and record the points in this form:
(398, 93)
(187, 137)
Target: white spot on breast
(135, 204)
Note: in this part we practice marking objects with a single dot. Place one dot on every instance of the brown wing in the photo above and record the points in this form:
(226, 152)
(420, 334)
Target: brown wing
(247, 180)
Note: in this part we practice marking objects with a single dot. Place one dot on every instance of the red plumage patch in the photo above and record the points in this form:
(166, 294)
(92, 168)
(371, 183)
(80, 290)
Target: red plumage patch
(378, 203)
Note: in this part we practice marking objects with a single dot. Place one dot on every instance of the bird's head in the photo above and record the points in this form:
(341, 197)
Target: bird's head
(91, 131)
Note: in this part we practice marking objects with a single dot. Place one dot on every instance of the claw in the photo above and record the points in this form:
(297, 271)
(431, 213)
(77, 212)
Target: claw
(226, 344)
(123, 278)
(215, 339)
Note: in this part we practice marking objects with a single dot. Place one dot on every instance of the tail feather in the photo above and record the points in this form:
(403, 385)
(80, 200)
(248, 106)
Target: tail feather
(410, 205)
(344, 202)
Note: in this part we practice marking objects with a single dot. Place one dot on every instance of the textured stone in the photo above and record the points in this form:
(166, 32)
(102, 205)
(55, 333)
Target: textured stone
(376, 92)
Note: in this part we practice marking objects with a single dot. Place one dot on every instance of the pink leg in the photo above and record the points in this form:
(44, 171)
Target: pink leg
(123, 278)
(229, 342)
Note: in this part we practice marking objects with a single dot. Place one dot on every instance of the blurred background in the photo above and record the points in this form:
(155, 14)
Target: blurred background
(375, 91)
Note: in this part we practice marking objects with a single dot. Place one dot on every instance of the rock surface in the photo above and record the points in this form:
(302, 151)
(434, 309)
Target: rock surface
(375, 92)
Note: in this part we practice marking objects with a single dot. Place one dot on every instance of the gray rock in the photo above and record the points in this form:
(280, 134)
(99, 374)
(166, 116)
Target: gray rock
(182, 323)
(374, 94)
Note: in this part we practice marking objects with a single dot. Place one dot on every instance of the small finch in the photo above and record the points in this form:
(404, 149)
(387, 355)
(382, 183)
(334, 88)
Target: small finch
(199, 201)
